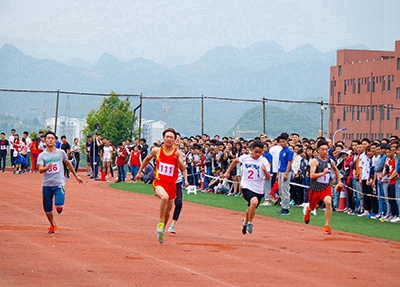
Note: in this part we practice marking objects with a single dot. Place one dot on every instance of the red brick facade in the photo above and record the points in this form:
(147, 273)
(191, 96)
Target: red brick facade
(365, 94)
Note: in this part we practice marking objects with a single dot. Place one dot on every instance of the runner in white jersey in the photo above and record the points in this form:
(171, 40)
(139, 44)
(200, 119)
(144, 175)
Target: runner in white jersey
(255, 168)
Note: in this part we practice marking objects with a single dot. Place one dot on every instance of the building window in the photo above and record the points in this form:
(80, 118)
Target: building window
(389, 83)
(367, 114)
(339, 97)
(345, 87)
(382, 113)
(344, 114)
(372, 113)
(340, 71)
(358, 113)
(397, 123)
(359, 85)
(373, 84)
(354, 86)
(397, 93)
(352, 114)
(338, 124)
(388, 112)
(383, 83)
(398, 63)
(368, 84)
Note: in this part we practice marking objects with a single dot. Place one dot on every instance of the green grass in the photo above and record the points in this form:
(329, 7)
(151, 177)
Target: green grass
(340, 221)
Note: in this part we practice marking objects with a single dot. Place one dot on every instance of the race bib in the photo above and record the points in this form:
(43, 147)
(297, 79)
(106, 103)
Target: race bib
(325, 178)
(2, 147)
(166, 169)
(54, 168)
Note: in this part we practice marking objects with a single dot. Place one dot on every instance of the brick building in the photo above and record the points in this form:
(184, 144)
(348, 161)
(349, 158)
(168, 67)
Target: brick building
(364, 93)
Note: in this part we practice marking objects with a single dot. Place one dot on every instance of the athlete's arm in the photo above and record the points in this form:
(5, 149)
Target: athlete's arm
(232, 165)
(72, 169)
(337, 175)
(267, 174)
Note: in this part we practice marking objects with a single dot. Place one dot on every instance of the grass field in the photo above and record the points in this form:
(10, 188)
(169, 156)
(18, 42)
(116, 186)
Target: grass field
(340, 221)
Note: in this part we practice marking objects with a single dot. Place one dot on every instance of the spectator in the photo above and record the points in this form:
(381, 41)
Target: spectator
(76, 151)
(4, 146)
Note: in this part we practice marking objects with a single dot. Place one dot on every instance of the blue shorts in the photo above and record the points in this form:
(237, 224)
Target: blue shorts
(50, 192)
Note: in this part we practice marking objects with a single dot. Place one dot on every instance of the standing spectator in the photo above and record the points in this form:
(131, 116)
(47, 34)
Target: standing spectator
(65, 146)
(390, 170)
(35, 151)
(4, 146)
(28, 141)
(274, 150)
(76, 152)
(11, 140)
(135, 161)
(284, 173)
(107, 157)
(95, 156)
(120, 162)
(88, 144)
(24, 149)
(143, 148)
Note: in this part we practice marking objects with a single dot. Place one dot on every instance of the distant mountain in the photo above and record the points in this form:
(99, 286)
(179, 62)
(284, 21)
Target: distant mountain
(263, 69)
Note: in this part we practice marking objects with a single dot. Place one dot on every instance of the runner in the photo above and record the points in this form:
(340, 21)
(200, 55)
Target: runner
(168, 161)
(254, 167)
(50, 163)
(320, 185)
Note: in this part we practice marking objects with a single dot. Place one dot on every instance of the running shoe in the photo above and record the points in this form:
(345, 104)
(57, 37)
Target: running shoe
(172, 228)
(249, 227)
(160, 232)
(244, 226)
(266, 203)
(59, 210)
(52, 229)
(307, 218)
(327, 230)
(283, 212)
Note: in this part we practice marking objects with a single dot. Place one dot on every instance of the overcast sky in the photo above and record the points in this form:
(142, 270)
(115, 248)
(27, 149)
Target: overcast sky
(175, 32)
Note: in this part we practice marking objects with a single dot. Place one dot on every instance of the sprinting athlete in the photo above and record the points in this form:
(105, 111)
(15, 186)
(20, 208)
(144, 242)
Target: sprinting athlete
(50, 163)
(168, 161)
(320, 185)
(255, 168)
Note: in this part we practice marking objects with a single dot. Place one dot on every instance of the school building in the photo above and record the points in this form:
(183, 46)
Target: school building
(364, 93)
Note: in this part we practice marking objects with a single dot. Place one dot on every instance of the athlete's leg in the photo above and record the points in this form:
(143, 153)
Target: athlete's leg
(251, 210)
(163, 195)
(168, 209)
(328, 210)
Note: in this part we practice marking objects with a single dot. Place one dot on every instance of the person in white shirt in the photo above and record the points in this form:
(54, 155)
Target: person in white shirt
(255, 168)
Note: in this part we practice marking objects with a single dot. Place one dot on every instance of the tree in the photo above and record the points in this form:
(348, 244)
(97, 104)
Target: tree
(114, 117)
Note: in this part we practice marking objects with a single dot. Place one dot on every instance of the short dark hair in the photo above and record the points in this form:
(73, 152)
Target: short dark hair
(257, 143)
(50, 133)
(322, 142)
(284, 136)
(3, 133)
(169, 130)
(63, 137)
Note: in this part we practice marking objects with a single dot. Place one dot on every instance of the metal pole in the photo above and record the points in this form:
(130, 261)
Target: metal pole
(133, 119)
(140, 116)
(322, 118)
(56, 113)
(202, 114)
(264, 116)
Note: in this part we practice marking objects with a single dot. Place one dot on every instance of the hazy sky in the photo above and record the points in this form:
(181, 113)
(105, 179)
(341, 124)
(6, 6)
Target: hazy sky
(173, 32)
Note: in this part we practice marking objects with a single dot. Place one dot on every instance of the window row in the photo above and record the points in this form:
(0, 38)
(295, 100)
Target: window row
(355, 85)
(371, 112)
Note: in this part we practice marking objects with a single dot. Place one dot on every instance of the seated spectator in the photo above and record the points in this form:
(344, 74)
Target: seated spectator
(148, 174)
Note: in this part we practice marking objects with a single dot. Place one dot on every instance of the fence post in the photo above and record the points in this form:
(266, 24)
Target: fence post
(202, 114)
(264, 116)
(140, 116)
(56, 113)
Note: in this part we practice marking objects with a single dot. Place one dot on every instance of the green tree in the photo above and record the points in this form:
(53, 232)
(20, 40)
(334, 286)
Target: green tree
(114, 117)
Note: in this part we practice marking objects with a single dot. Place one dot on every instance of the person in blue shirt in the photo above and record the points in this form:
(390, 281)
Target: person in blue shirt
(284, 173)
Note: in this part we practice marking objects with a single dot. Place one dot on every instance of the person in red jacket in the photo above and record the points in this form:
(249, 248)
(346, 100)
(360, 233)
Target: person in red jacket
(35, 151)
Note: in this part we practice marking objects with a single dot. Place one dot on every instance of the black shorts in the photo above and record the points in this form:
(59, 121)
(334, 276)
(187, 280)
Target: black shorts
(248, 195)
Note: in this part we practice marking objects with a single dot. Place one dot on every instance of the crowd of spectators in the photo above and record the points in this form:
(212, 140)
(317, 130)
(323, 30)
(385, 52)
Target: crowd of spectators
(369, 169)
